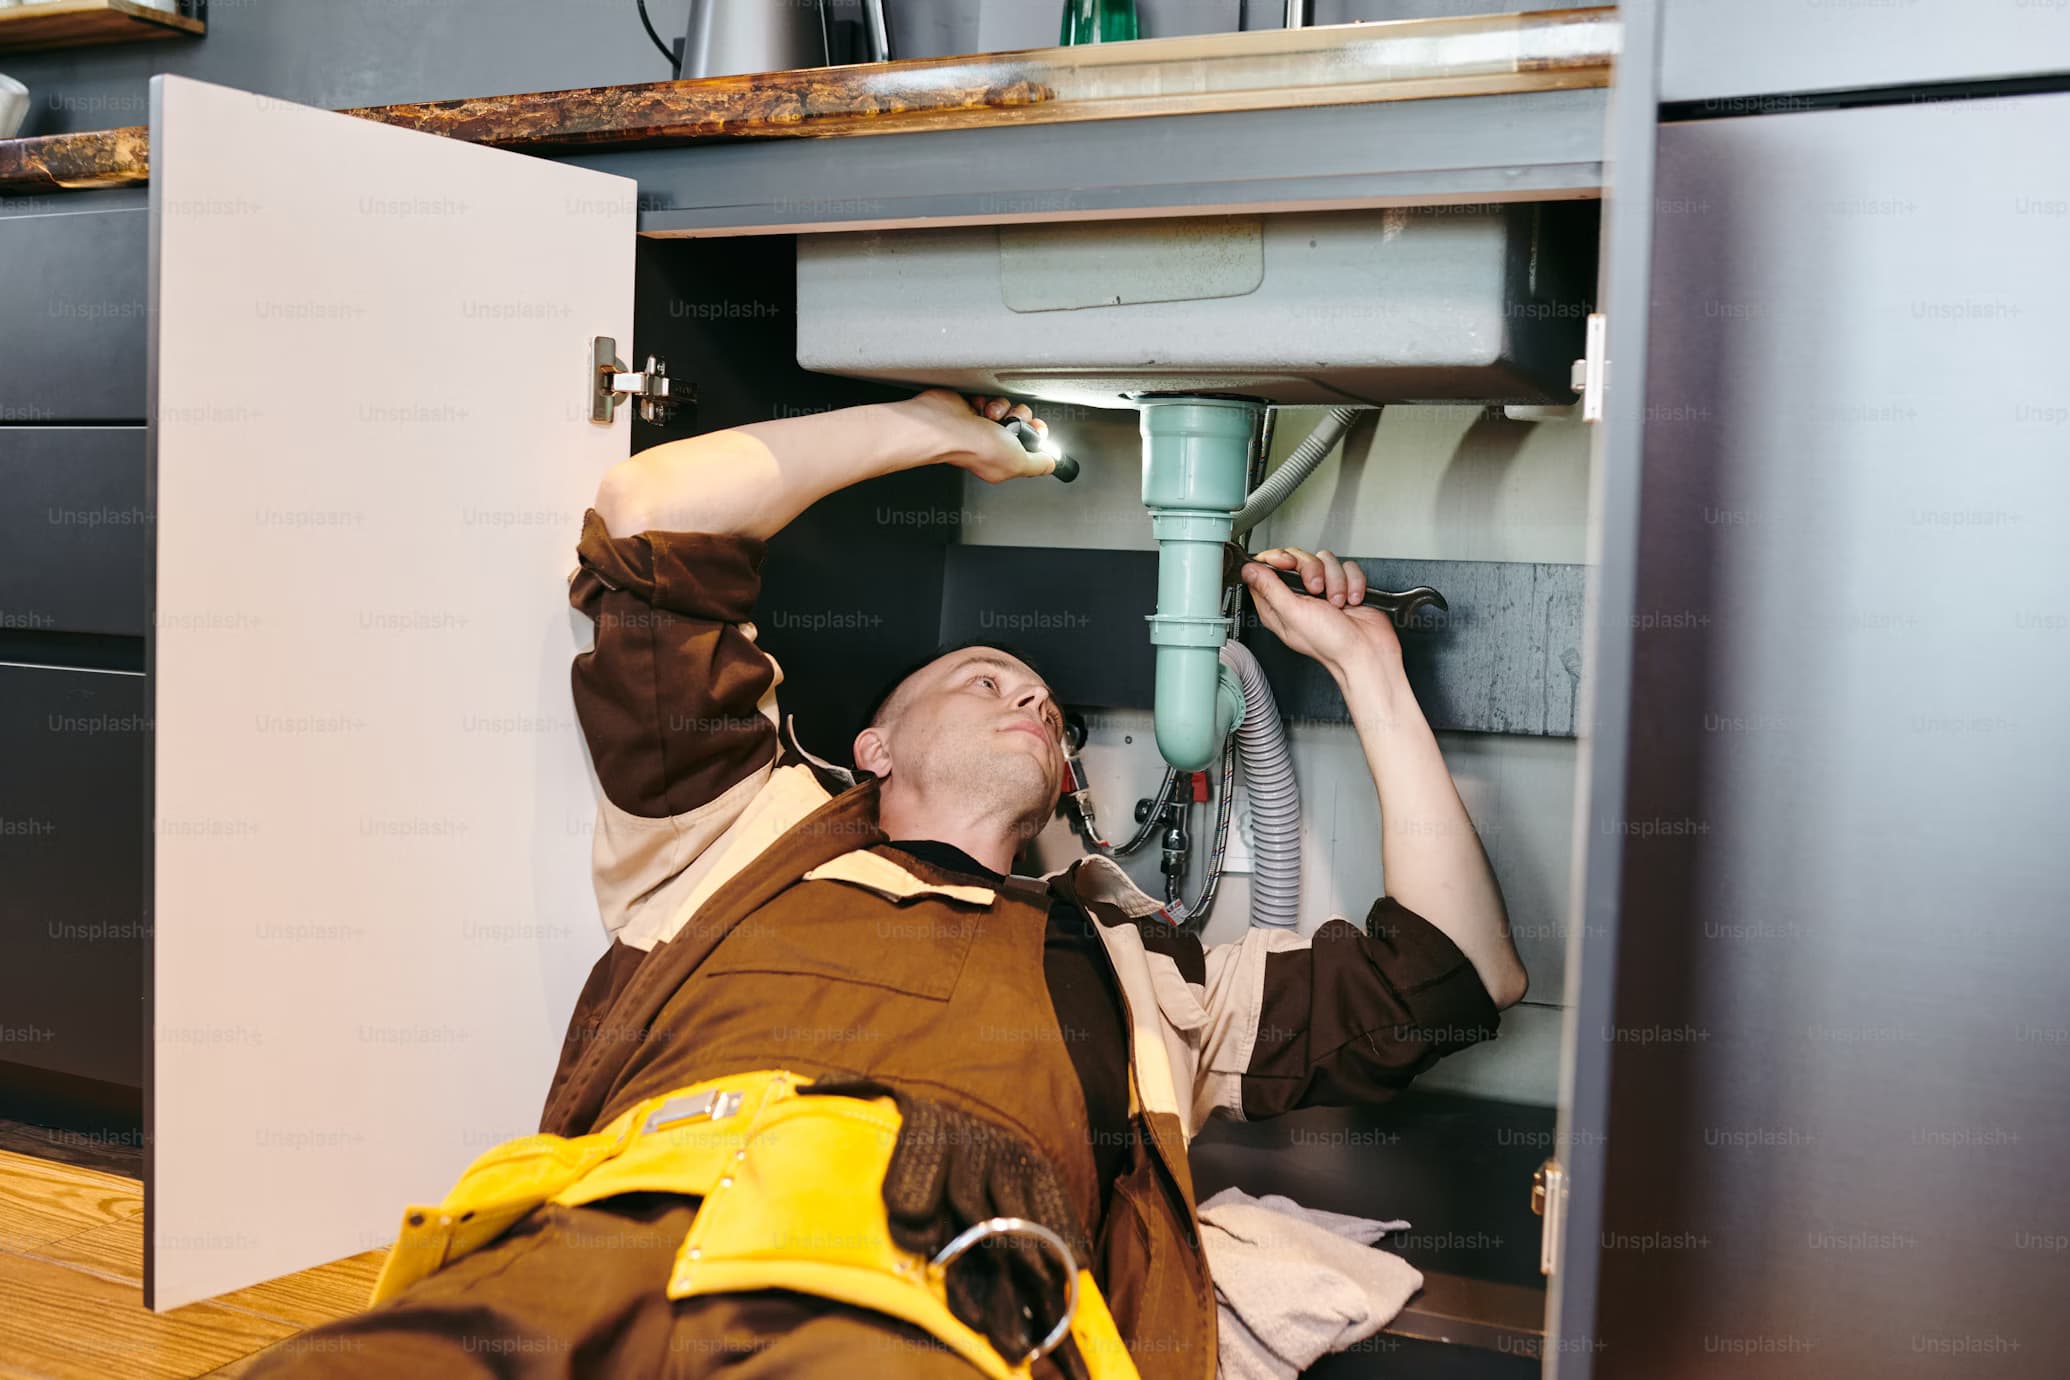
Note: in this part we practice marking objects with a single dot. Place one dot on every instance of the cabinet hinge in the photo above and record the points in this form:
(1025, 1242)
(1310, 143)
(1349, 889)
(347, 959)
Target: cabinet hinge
(658, 394)
(1592, 371)
(1549, 1201)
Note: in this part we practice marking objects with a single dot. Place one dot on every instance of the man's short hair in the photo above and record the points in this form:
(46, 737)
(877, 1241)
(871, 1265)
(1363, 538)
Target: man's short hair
(884, 702)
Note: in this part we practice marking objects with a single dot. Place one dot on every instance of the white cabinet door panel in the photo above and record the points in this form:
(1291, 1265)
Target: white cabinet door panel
(371, 804)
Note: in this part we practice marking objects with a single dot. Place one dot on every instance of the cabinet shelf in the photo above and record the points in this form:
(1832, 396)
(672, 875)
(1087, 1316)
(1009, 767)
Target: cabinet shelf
(78, 23)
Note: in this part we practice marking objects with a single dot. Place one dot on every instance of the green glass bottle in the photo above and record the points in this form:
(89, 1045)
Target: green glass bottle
(1098, 21)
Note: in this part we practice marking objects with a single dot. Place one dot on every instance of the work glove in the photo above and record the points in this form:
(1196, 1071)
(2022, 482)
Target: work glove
(950, 1170)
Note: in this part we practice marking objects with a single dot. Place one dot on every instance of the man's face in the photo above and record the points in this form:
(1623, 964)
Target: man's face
(979, 722)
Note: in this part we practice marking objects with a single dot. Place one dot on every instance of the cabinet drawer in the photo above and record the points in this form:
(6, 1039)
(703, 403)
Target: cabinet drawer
(72, 859)
(74, 544)
(73, 316)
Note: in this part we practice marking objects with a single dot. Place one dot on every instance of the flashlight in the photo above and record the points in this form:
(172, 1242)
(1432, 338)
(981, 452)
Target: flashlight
(1035, 443)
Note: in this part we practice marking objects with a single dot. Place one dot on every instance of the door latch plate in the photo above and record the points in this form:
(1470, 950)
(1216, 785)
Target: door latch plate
(1549, 1201)
(1591, 373)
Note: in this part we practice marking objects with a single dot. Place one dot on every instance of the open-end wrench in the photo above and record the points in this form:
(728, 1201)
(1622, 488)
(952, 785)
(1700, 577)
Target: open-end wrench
(1399, 603)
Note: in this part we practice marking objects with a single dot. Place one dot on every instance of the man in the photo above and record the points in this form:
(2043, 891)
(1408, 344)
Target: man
(1037, 1049)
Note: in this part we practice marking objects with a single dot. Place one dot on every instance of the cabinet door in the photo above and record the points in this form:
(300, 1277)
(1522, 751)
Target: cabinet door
(1600, 827)
(371, 806)
(1846, 1157)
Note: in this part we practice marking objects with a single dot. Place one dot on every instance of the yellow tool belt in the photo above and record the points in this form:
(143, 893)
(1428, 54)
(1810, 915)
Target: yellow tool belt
(792, 1190)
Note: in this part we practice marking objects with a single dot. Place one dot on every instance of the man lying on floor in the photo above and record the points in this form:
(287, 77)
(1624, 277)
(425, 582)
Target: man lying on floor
(833, 1032)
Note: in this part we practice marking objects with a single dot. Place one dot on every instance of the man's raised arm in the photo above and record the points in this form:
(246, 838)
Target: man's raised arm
(750, 481)
(1430, 856)
(676, 700)
(1349, 1014)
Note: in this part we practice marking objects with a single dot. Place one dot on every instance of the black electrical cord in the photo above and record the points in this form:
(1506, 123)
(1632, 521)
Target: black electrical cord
(666, 51)
(1192, 919)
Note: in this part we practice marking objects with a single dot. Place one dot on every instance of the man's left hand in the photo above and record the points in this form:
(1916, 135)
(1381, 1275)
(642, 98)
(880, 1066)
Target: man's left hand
(1334, 626)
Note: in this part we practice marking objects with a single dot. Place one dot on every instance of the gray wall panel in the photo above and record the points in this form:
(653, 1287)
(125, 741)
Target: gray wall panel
(1715, 50)
(336, 53)
(1840, 1111)
(1503, 659)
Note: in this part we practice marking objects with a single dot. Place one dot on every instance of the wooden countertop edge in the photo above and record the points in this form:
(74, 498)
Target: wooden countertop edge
(991, 89)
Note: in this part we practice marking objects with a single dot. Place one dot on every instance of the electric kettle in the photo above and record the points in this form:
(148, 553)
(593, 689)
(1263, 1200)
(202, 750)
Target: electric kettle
(730, 37)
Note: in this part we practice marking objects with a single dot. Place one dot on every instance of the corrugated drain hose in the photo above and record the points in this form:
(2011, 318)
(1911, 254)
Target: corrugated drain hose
(1268, 778)
(1298, 466)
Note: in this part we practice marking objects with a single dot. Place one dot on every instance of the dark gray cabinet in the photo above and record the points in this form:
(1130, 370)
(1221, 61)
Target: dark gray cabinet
(73, 298)
(72, 822)
(74, 530)
(74, 591)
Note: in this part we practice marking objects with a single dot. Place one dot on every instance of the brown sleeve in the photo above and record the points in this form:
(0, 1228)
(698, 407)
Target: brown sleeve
(1350, 1017)
(669, 697)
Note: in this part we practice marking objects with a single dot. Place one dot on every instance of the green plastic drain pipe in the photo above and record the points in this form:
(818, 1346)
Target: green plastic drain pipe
(1195, 452)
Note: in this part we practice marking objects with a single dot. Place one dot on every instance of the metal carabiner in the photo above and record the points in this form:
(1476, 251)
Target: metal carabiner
(938, 1268)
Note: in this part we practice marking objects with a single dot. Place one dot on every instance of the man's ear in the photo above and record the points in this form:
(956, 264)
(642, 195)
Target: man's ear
(872, 753)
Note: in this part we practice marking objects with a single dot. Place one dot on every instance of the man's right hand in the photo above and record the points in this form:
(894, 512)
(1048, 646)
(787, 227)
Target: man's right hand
(966, 433)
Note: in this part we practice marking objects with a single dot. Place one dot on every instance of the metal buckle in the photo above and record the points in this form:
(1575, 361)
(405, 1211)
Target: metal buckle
(1018, 1226)
(715, 1104)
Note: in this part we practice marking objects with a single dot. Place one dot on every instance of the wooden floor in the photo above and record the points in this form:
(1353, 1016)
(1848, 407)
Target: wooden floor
(71, 1287)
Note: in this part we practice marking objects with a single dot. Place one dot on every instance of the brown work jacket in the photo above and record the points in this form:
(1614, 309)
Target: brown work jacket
(758, 920)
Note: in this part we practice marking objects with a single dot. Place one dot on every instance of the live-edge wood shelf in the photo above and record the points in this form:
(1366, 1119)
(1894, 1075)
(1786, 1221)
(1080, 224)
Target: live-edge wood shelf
(77, 23)
(1544, 52)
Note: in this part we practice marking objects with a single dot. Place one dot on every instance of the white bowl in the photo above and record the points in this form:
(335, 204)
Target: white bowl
(14, 106)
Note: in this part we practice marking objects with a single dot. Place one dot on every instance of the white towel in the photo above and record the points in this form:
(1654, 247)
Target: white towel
(1293, 1284)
